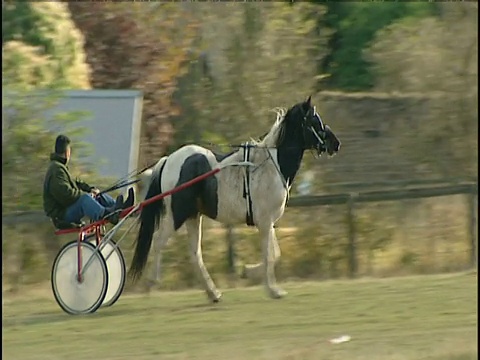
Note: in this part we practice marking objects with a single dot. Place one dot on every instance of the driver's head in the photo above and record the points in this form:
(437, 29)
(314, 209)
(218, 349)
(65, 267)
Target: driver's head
(62, 147)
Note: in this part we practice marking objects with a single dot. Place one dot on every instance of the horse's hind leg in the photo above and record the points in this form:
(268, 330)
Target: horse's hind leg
(194, 229)
(160, 239)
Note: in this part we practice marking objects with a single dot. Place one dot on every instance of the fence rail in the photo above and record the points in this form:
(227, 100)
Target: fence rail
(36, 217)
(398, 184)
(469, 189)
(383, 195)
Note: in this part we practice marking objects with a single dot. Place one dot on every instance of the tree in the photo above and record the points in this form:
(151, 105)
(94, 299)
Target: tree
(260, 56)
(354, 26)
(142, 46)
(42, 47)
(42, 54)
(437, 56)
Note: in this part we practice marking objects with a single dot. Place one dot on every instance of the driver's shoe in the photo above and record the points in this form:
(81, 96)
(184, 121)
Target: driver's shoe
(112, 214)
(130, 199)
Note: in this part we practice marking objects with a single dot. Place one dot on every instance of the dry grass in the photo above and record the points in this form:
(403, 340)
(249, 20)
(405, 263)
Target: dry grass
(423, 317)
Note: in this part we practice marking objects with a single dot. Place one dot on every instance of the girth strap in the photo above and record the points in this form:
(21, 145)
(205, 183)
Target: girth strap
(246, 185)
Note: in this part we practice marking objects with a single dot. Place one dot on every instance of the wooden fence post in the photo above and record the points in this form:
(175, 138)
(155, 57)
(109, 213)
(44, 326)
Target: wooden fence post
(472, 227)
(351, 249)
(230, 250)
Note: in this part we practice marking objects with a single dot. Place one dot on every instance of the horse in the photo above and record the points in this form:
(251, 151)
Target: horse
(254, 195)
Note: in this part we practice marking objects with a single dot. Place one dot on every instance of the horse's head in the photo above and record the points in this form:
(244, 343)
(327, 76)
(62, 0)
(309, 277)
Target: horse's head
(313, 133)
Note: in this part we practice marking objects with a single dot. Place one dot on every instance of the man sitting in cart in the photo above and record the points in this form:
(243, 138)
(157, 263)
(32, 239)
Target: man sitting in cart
(67, 200)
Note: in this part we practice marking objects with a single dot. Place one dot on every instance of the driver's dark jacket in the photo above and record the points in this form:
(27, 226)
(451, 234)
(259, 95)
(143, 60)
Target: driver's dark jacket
(60, 190)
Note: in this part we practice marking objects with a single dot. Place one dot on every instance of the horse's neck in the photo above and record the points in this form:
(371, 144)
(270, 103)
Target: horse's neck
(289, 158)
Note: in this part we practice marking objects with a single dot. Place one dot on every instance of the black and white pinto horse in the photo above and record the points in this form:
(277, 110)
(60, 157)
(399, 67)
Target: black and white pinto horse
(254, 194)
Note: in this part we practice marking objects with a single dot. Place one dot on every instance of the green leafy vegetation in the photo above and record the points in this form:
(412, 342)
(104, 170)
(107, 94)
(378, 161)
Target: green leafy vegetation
(42, 55)
(355, 25)
(212, 72)
(41, 46)
(429, 56)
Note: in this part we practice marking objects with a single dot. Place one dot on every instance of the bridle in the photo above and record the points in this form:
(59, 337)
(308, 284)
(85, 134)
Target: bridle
(320, 147)
(321, 136)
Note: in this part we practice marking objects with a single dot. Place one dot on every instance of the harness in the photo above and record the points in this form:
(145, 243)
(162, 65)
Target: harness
(247, 146)
(246, 179)
(246, 184)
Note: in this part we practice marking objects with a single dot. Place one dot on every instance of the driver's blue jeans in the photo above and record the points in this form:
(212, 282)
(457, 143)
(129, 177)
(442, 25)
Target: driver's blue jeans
(86, 205)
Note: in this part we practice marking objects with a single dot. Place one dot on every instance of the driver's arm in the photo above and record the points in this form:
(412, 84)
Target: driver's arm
(82, 185)
(61, 189)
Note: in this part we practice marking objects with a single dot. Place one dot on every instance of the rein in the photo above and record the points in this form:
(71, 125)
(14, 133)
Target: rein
(119, 186)
(123, 181)
(238, 146)
(245, 146)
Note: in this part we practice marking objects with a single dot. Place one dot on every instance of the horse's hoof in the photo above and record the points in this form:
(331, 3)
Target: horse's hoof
(215, 297)
(277, 293)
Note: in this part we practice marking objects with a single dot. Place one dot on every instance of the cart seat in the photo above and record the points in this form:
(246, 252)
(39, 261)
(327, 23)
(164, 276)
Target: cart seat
(62, 226)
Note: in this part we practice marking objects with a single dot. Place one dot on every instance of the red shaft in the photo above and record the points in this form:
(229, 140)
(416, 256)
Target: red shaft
(178, 188)
(174, 190)
(156, 197)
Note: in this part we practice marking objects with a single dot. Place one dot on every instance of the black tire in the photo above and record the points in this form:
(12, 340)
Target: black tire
(67, 289)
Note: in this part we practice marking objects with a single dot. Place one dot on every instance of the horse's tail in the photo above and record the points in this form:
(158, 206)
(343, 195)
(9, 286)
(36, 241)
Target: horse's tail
(149, 220)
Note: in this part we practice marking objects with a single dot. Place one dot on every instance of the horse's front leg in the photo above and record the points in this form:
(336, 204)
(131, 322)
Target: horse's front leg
(269, 253)
(255, 271)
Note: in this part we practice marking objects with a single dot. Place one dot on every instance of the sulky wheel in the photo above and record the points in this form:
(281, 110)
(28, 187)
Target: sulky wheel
(117, 271)
(76, 297)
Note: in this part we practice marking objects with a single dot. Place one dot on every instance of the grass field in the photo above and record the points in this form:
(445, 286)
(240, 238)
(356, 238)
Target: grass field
(421, 317)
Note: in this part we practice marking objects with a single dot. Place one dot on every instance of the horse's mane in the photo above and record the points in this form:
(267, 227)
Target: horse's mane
(276, 133)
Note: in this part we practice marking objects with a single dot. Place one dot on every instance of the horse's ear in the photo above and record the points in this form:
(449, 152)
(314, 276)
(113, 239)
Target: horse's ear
(307, 104)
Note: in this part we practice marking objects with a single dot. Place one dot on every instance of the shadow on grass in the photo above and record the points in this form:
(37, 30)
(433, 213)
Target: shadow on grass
(35, 319)
(114, 311)
(119, 310)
